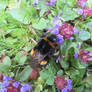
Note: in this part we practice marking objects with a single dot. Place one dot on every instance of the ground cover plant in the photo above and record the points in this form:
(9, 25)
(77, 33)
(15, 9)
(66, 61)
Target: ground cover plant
(21, 25)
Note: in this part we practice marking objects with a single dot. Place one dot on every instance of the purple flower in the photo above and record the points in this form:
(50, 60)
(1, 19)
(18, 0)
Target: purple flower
(35, 2)
(16, 84)
(71, 38)
(7, 78)
(75, 55)
(5, 83)
(79, 45)
(22, 89)
(89, 59)
(58, 90)
(69, 87)
(55, 31)
(90, 54)
(75, 30)
(64, 90)
(69, 81)
(56, 21)
(52, 2)
(80, 11)
(3, 90)
(27, 87)
(60, 39)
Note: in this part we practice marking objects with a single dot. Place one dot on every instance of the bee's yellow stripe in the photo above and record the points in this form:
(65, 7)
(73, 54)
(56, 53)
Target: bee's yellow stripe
(43, 62)
(32, 52)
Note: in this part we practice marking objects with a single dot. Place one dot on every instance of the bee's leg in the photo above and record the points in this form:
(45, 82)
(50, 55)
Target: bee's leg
(56, 55)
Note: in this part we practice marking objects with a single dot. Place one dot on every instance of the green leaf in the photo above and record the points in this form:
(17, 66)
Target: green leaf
(89, 49)
(50, 80)
(89, 26)
(42, 24)
(4, 68)
(20, 15)
(22, 76)
(22, 60)
(7, 61)
(60, 72)
(44, 74)
(69, 14)
(79, 89)
(84, 35)
(89, 2)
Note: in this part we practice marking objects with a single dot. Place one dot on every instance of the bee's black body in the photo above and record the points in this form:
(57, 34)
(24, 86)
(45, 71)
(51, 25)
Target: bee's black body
(45, 49)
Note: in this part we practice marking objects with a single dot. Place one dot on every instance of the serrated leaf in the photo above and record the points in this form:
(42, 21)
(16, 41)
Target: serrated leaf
(84, 35)
(7, 61)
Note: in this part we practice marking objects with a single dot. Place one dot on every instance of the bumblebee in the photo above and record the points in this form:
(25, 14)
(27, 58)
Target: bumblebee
(46, 48)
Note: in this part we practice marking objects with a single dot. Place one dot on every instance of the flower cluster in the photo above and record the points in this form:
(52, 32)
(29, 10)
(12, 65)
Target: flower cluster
(66, 30)
(85, 11)
(7, 84)
(63, 84)
(51, 2)
(85, 56)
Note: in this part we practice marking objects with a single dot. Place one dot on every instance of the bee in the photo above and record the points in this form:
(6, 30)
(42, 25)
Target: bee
(46, 48)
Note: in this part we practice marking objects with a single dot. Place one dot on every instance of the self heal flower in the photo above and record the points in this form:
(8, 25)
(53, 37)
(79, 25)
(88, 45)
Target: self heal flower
(87, 11)
(85, 56)
(66, 30)
(60, 82)
(82, 3)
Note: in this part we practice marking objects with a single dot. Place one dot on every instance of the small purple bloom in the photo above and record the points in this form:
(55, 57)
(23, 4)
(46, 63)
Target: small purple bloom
(7, 78)
(90, 59)
(71, 38)
(80, 11)
(75, 30)
(3, 90)
(16, 84)
(64, 90)
(22, 89)
(79, 45)
(90, 54)
(69, 87)
(75, 55)
(55, 31)
(69, 81)
(58, 90)
(35, 2)
(60, 39)
(5, 83)
(85, 51)
(27, 87)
